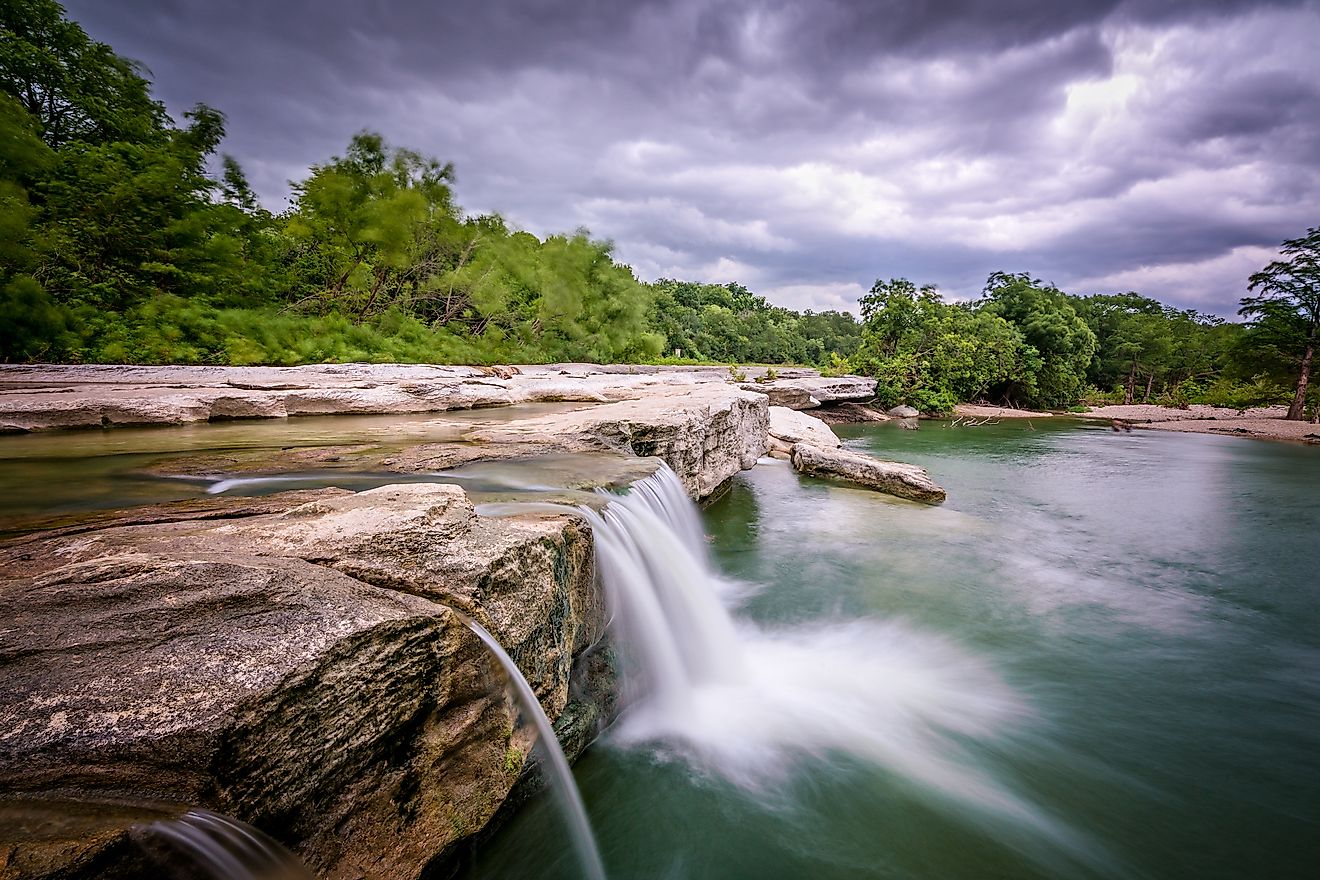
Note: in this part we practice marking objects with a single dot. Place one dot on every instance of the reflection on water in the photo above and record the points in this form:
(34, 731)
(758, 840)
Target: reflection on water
(1147, 600)
(59, 472)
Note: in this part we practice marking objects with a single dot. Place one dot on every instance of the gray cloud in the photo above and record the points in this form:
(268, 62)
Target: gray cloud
(801, 148)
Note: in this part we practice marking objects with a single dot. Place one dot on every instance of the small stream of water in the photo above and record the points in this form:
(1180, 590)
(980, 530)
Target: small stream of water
(561, 775)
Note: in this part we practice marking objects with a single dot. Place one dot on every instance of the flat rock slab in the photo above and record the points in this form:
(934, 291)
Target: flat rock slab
(810, 391)
(891, 477)
(789, 427)
(849, 414)
(50, 397)
(301, 670)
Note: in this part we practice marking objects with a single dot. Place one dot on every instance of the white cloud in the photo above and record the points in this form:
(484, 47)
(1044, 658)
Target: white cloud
(1194, 284)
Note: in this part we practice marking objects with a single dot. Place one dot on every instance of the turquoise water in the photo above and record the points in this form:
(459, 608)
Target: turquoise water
(1123, 634)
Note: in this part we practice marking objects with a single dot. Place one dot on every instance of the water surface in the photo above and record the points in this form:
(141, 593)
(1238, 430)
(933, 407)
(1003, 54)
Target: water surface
(1122, 632)
(56, 472)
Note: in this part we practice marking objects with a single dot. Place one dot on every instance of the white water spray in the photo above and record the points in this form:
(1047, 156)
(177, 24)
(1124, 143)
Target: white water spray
(746, 702)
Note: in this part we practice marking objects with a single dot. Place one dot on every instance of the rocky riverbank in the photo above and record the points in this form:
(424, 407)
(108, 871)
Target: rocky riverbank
(50, 397)
(301, 670)
(295, 661)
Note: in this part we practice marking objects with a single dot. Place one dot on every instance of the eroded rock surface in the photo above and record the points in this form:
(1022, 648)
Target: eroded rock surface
(298, 670)
(849, 414)
(891, 477)
(798, 391)
(789, 427)
(706, 433)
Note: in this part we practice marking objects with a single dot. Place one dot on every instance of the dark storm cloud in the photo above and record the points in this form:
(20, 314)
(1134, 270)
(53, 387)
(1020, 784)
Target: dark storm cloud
(801, 148)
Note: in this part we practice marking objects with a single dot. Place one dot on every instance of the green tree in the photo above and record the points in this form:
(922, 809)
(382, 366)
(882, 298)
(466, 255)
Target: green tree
(1060, 343)
(1285, 308)
(373, 226)
(32, 325)
(74, 87)
(931, 354)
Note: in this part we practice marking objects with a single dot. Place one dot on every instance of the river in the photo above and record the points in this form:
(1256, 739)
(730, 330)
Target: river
(1099, 658)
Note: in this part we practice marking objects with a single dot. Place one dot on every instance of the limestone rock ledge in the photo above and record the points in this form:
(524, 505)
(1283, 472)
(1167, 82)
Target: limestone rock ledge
(51, 397)
(299, 670)
(788, 427)
(706, 433)
(891, 477)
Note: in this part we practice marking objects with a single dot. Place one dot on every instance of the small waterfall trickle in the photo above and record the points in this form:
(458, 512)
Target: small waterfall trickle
(202, 843)
(561, 775)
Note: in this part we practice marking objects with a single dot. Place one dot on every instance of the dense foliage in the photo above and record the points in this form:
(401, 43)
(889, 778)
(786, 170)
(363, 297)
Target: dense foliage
(127, 237)
(728, 323)
(1026, 343)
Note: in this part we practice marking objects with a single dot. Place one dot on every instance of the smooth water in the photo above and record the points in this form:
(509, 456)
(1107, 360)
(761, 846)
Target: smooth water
(61, 472)
(1100, 658)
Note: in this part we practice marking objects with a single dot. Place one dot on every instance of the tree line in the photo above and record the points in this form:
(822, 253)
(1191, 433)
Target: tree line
(126, 236)
(1027, 343)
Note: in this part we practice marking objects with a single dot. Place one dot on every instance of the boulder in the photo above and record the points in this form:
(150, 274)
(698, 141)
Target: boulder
(849, 414)
(903, 411)
(706, 433)
(782, 395)
(891, 477)
(810, 391)
(300, 670)
(788, 427)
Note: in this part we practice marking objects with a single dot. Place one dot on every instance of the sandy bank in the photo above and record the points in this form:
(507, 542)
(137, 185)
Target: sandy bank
(977, 411)
(1264, 423)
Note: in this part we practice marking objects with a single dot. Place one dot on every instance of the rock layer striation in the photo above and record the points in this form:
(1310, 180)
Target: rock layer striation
(300, 670)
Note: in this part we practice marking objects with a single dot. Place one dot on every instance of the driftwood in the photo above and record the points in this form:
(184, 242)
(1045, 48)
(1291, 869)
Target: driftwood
(971, 422)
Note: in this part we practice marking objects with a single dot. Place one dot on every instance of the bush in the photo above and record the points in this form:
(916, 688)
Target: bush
(1258, 391)
(32, 325)
(1093, 396)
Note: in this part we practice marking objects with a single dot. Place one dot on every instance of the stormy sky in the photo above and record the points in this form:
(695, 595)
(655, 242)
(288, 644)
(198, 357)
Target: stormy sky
(803, 149)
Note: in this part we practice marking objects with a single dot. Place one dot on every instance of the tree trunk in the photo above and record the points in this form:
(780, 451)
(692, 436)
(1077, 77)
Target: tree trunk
(1150, 382)
(375, 291)
(1131, 384)
(1296, 412)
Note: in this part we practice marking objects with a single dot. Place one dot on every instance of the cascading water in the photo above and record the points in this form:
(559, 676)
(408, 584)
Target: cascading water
(219, 848)
(561, 775)
(745, 702)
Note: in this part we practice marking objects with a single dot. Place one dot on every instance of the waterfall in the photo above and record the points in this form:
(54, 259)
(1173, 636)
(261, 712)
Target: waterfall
(749, 703)
(219, 848)
(660, 586)
(561, 776)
